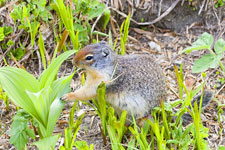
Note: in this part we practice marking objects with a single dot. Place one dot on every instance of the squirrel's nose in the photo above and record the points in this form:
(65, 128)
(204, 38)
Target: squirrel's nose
(74, 62)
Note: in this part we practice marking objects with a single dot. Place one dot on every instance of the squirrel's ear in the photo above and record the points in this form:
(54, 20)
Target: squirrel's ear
(102, 43)
(105, 52)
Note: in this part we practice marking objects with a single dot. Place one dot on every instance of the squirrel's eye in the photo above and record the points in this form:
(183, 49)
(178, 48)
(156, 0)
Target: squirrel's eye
(89, 58)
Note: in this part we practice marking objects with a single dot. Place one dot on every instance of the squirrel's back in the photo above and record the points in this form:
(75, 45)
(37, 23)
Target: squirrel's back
(134, 83)
(138, 85)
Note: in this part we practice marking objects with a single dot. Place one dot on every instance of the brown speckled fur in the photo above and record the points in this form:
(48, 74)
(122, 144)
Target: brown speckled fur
(142, 80)
(137, 84)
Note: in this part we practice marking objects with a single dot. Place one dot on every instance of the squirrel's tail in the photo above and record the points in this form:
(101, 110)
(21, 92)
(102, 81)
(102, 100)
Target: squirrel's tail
(207, 97)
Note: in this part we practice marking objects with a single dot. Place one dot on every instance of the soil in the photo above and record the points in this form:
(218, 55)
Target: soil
(185, 13)
(168, 45)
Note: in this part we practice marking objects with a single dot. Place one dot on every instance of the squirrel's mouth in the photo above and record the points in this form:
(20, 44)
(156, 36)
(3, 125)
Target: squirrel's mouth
(74, 62)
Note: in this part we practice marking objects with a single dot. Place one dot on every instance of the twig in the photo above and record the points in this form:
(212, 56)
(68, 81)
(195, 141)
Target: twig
(151, 22)
(221, 32)
(14, 41)
(203, 4)
(220, 89)
(39, 62)
(172, 90)
(182, 3)
(96, 21)
(217, 18)
(160, 7)
(136, 7)
(132, 8)
(103, 135)
(206, 5)
(16, 62)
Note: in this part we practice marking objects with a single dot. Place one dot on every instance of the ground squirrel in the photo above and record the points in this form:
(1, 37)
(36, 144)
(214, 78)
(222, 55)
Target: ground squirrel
(134, 83)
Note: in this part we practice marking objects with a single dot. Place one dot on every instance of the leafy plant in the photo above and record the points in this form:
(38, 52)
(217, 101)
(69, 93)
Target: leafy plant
(211, 60)
(4, 31)
(141, 137)
(109, 123)
(40, 98)
(116, 128)
(219, 3)
(71, 131)
(28, 15)
(17, 53)
(82, 145)
(221, 147)
(33, 28)
(23, 10)
(199, 131)
(20, 129)
(66, 15)
(100, 105)
(85, 11)
(2, 2)
(181, 139)
(105, 18)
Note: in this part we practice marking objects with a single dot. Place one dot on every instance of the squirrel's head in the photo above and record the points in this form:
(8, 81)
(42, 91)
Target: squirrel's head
(95, 56)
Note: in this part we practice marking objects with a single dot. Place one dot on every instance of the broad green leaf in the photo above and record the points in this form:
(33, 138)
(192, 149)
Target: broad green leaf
(207, 61)
(192, 48)
(60, 86)
(48, 76)
(54, 113)
(205, 39)
(41, 102)
(15, 81)
(106, 18)
(219, 46)
(47, 143)
(204, 42)
(99, 9)
(18, 53)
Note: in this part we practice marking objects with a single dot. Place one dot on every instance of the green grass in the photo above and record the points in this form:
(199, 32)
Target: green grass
(161, 129)
(124, 29)
(38, 101)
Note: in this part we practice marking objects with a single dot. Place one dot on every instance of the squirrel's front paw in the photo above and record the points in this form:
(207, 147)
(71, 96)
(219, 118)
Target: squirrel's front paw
(68, 97)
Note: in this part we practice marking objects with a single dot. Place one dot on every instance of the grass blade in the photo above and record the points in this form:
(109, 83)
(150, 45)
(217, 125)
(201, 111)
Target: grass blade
(42, 50)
